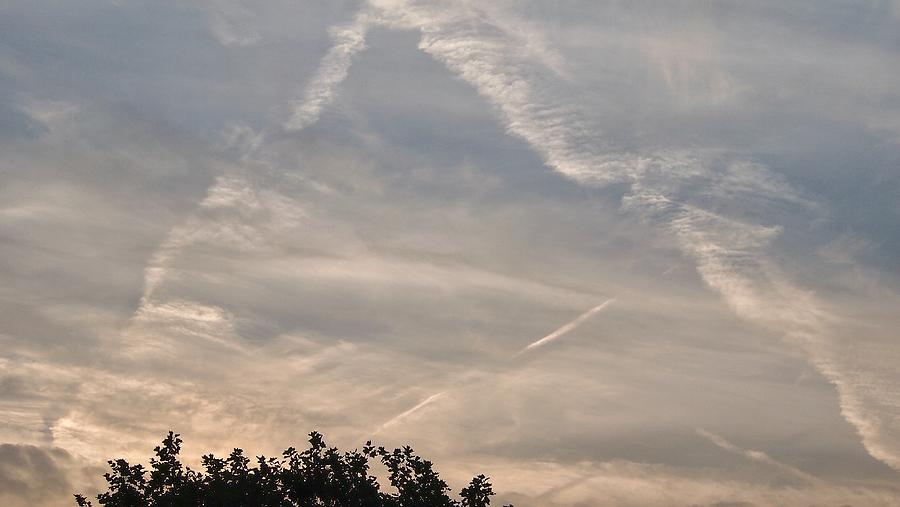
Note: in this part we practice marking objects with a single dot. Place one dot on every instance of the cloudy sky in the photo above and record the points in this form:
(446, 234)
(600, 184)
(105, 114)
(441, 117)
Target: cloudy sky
(620, 253)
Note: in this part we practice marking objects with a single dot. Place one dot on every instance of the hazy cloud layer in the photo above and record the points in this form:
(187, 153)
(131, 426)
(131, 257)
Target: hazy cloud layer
(247, 220)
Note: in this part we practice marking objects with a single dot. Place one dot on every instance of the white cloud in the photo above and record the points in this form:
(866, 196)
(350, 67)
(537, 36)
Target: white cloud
(731, 256)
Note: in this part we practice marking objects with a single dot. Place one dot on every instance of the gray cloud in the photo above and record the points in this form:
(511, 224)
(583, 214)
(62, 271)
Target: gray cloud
(31, 475)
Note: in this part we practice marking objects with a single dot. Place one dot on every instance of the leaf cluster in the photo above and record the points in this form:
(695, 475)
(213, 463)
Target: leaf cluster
(320, 476)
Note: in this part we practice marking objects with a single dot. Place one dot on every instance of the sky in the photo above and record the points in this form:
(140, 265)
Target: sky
(607, 253)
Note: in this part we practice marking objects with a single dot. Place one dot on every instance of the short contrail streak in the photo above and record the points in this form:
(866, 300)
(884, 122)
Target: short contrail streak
(418, 407)
(568, 327)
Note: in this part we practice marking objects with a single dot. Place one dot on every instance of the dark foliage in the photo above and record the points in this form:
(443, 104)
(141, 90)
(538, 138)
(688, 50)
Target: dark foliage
(320, 476)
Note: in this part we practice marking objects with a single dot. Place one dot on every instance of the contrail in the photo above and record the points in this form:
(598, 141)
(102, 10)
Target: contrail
(348, 40)
(753, 455)
(422, 404)
(568, 327)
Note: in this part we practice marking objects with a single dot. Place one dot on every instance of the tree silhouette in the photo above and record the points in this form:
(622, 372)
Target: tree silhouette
(320, 476)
